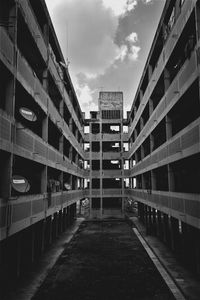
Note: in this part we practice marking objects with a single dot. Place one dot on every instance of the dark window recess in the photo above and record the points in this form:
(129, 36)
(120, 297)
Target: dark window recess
(112, 183)
(111, 146)
(40, 15)
(53, 180)
(54, 92)
(186, 174)
(147, 181)
(74, 127)
(95, 165)
(111, 114)
(161, 176)
(67, 147)
(145, 82)
(137, 102)
(67, 115)
(169, 20)
(4, 167)
(74, 155)
(145, 114)
(183, 49)
(5, 84)
(24, 100)
(30, 170)
(112, 203)
(95, 128)
(146, 146)
(111, 165)
(96, 203)
(138, 156)
(95, 146)
(96, 183)
(159, 135)
(139, 182)
(138, 128)
(29, 49)
(133, 137)
(93, 114)
(158, 92)
(185, 112)
(67, 181)
(111, 128)
(53, 135)
(157, 50)
(6, 19)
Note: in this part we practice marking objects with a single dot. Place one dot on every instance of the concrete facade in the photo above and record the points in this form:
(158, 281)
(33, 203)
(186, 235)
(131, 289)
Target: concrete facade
(45, 152)
(105, 142)
(41, 137)
(164, 134)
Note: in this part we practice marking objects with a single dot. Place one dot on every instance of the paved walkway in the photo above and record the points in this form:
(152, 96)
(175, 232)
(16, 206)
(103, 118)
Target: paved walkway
(28, 287)
(189, 286)
(104, 261)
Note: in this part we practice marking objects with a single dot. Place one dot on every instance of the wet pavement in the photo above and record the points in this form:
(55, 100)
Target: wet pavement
(104, 261)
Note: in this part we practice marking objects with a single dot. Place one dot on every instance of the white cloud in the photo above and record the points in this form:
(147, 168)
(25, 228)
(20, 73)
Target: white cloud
(134, 52)
(131, 4)
(120, 7)
(85, 96)
(91, 31)
(122, 52)
(133, 37)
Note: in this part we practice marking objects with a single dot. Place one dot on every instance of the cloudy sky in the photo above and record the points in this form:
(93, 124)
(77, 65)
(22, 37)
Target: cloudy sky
(106, 42)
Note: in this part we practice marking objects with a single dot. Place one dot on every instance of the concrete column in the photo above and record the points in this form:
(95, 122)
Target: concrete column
(18, 255)
(61, 144)
(142, 151)
(154, 222)
(168, 127)
(45, 123)
(177, 8)
(44, 180)
(150, 107)
(141, 123)
(151, 143)
(33, 237)
(146, 217)
(166, 79)
(141, 95)
(153, 180)
(165, 228)
(149, 221)
(160, 225)
(175, 236)
(171, 179)
(150, 72)
(46, 33)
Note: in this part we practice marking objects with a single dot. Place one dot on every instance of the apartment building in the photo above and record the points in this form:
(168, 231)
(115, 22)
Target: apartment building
(104, 144)
(49, 163)
(41, 136)
(164, 134)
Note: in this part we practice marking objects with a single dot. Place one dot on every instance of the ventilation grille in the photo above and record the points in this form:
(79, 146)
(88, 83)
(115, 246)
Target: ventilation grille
(110, 114)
